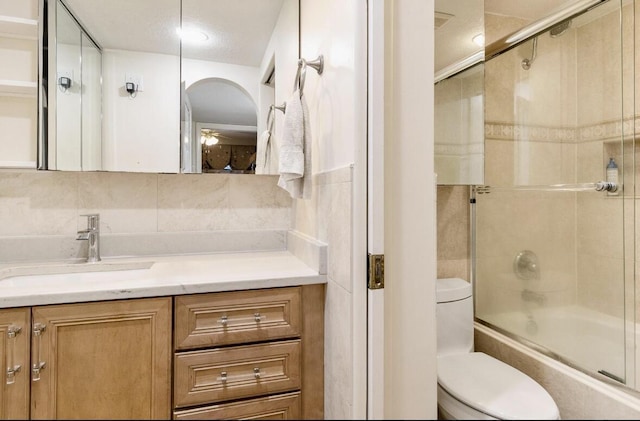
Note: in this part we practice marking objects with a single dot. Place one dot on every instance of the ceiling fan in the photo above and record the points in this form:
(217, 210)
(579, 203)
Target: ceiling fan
(210, 137)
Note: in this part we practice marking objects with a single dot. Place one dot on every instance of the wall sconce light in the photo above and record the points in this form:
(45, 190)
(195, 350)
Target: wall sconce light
(64, 83)
(131, 88)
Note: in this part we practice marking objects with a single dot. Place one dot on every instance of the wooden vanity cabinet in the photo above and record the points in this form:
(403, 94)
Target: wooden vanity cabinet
(250, 354)
(236, 355)
(102, 360)
(14, 354)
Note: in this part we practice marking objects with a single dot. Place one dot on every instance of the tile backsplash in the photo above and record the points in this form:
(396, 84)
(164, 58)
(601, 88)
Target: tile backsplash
(150, 208)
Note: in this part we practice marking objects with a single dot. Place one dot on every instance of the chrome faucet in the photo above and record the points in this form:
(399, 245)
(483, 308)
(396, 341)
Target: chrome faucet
(92, 235)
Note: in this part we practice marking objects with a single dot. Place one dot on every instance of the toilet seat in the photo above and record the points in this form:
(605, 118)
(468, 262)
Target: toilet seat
(494, 388)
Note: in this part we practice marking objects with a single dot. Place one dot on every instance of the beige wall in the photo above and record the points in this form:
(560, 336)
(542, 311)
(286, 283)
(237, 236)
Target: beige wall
(47, 206)
(453, 230)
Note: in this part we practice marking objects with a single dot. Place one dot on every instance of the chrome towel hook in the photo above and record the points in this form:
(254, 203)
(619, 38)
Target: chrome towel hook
(317, 64)
(270, 115)
(282, 107)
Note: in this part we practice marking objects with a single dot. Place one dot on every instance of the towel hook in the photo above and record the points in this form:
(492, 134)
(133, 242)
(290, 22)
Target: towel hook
(270, 114)
(301, 75)
(282, 107)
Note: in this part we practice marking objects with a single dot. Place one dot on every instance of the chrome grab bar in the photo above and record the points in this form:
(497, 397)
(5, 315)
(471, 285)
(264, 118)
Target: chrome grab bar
(578, 187)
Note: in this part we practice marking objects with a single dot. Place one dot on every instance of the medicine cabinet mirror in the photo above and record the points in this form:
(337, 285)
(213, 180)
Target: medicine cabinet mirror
(459, 92)
(150, 85)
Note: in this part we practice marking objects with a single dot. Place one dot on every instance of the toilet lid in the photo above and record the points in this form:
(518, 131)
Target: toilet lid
(494, 388)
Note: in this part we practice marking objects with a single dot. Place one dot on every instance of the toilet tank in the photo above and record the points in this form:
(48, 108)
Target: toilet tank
(454, 316)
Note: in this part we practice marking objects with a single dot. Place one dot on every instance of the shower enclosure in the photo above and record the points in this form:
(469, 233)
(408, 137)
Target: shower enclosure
(554, 238)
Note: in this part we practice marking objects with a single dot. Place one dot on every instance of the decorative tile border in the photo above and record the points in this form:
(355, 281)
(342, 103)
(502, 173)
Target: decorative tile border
(604, 131)
(510, 131)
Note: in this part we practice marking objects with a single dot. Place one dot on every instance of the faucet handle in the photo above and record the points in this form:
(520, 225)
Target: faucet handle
(93, 220)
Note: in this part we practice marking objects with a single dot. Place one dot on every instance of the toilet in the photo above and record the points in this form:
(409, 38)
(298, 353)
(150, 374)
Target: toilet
(474, 385)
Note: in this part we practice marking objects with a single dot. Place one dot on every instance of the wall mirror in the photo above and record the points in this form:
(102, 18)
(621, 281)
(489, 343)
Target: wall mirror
(154, 83)
(459, 91)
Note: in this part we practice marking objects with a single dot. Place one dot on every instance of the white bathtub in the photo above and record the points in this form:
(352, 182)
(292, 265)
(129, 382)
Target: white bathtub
(578, 395)
(580, 337)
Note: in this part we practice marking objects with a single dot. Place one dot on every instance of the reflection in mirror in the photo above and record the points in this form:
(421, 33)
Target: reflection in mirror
(459, 91)
(238, 58)
(140, 111)
(459, 127)
(139, 128)
(75, 135)
(220, 128)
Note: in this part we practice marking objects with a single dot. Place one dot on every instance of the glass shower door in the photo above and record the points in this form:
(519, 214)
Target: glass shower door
(550, 231)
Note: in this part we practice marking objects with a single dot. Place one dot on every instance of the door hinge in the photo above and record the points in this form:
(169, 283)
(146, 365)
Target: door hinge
(375, 275)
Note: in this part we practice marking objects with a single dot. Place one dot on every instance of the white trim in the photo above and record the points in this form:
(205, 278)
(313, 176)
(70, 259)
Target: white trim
(375, 203)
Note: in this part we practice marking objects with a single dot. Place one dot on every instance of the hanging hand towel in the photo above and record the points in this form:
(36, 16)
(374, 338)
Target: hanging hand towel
(299, 133)
(291, 162)
(263, 153)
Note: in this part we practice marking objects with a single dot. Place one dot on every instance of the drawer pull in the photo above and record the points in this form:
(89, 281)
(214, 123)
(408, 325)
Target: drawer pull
(224, 377)
(257, 317)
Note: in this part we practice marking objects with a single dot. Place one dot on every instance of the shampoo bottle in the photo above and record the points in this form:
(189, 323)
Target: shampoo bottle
(612, 175)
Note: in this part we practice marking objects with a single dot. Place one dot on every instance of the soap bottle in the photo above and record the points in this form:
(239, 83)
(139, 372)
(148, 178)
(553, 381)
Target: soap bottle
(612, 175)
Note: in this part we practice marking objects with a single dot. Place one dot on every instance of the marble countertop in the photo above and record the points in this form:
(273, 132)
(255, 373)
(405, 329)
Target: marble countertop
(149, 276)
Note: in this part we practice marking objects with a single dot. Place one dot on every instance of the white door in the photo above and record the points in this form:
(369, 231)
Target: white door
(375, 206)
(401, 337)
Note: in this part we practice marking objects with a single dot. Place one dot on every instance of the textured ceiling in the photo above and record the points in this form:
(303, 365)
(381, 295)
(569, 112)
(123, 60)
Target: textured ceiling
(238, 30)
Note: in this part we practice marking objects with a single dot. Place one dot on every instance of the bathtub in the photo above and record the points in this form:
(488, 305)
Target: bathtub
(580, 337)
(564, 349)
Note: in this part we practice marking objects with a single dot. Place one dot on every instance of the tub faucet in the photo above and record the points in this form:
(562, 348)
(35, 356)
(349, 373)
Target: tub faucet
(92, 236)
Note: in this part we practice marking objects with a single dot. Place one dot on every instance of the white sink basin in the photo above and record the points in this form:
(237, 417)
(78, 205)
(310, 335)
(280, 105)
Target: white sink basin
(61, 268)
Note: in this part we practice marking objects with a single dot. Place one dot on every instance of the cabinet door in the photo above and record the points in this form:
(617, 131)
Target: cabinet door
(14, 354)
(106, 360)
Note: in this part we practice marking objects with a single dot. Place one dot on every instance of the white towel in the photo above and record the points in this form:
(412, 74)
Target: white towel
(291, 162)
(263, 153)
(295, 150)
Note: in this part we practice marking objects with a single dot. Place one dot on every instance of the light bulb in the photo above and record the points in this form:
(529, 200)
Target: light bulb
(208, 140)
(191, 35)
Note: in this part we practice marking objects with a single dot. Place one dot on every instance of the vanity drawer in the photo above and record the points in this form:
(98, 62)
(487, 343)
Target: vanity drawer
(237, 372)
(225, 318)
(279, 407)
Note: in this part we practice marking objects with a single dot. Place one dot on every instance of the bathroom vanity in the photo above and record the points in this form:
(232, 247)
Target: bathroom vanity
(227, 335)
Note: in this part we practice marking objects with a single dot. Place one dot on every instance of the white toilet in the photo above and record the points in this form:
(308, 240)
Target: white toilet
(474, 385)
